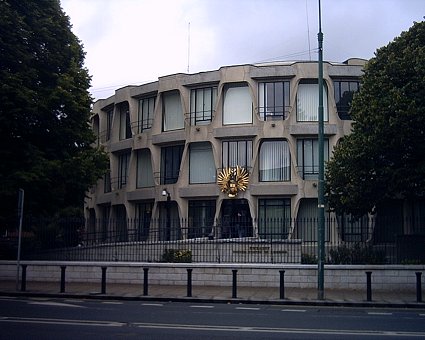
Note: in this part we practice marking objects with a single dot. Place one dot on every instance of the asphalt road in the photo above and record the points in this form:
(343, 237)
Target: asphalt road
(55, 318)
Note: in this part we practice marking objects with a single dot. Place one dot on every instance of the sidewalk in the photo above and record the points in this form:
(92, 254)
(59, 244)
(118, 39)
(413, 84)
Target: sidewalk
(219, 294)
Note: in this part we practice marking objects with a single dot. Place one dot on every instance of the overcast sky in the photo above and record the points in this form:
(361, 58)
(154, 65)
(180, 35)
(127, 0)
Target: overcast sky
(131, 42)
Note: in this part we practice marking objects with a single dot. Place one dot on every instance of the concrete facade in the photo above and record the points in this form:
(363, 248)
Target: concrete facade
(131, 132)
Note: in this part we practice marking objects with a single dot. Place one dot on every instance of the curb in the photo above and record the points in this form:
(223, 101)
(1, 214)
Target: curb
(287, 302)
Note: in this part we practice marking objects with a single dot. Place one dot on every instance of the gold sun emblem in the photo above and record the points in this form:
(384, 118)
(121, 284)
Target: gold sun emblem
(233, 180)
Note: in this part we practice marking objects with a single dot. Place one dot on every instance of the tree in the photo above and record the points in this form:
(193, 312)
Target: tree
(384, 156)
(45, 136)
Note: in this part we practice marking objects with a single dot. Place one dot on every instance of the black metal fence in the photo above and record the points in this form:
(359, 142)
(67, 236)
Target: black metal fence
(347, 241)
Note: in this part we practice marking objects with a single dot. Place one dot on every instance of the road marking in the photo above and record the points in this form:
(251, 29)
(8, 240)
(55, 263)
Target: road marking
(421, 314)
(55, 304)
(112, 302)
(153, 304)
(312, 331)
(379, 313)
(247, 308)
(62, 322)
(294, 310)
(201, 306)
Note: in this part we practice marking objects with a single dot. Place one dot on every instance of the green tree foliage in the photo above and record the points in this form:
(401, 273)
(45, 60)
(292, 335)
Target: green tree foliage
(384, 156)
(45, 136)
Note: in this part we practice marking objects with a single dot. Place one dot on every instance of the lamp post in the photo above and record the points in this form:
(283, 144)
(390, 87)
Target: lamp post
(168, 214)
(321, 198)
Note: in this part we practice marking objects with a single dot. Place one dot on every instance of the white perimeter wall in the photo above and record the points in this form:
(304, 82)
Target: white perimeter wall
(384, 277)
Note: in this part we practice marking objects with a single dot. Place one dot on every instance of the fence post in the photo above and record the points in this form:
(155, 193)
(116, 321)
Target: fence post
(418, 287)
(145, 281)
(24, 278)
(282, 284)
(63, 268)
(103, 288)
(369, 286)
(235, 282)
(189, 282)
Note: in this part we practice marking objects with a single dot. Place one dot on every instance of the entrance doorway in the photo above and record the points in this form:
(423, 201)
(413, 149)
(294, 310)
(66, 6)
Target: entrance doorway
(236, 219)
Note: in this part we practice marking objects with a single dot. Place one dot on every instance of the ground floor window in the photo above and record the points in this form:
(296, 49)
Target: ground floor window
(169, 222)
(307, 221)
(143, 220)
(201, 218)
(274, 218)
(236, 219)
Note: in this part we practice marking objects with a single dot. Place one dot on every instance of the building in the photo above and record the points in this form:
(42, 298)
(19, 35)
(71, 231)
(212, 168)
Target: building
(227, 153)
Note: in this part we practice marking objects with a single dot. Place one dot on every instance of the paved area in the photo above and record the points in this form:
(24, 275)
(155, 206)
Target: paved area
(292, 296)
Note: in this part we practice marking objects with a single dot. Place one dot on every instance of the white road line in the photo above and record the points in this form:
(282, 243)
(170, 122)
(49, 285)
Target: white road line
(247, 308)
(421, 314)
(294, 310)
(112, 302)
(52, 303)
(62, 322)
(201, 306)
(153, 304)
(379, 313)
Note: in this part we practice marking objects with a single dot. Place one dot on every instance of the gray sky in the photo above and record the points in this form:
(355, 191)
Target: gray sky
(136, 41)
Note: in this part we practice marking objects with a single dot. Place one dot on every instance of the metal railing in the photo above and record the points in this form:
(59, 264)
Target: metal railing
(365, 241)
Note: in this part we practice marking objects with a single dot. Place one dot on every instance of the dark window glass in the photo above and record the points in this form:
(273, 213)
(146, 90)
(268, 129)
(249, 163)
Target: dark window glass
(171, 157)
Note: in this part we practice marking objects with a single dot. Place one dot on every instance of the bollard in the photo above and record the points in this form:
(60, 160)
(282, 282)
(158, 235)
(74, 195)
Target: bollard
(189, 282)
(145, 281)
(103, 290)
(282, 284)
(369, 286)
(234, 286)
(63, 268)
(24, 278)
(418, 287)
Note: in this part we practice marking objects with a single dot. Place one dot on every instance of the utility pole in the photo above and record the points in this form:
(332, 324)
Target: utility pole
(321, 195)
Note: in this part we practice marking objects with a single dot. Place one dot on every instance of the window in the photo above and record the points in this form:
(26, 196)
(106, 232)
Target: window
(146, 110)
(307, 221)
(273, 100)
(125, 128)
(275, 161)
(171, 157)
(144, 169)
(107, 182)
(202, 166)
(202, 104)
(143, 220)
(201, 218)
(237, 107)
(344, 91)
(308, 101)
(123, 165)
(172, 112)
(274, 218)
(109, 116)
(308, 157)
(237, 152)
(353, 229)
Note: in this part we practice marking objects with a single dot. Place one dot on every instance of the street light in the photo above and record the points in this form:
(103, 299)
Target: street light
(168, 213)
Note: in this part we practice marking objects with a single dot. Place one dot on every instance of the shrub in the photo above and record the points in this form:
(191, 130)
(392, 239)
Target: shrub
(177, 256)
(308, 259)
(358, 254)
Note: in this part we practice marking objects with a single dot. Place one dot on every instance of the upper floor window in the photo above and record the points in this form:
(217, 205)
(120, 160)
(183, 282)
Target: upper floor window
(172, 111)
(171, 157)
(202, 166)
(308, 157)
(146, 110)
(273, 100)
(237, 152)
(344, 91)
(123, 167)
(237, 106)
(144, 169)
(202, 104)
(125, 128)
(109, 117)
(275, 161)
(308, 101)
